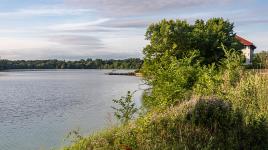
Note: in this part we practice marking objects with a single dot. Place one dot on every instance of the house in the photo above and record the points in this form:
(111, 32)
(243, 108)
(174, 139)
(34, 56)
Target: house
(248, 50)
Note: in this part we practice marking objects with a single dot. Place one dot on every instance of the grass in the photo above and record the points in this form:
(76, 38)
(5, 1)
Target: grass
(250, 94)
(196, 124)
(260, 71)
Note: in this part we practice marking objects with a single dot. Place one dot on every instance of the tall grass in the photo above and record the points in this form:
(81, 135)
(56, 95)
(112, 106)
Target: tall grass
(196, 124)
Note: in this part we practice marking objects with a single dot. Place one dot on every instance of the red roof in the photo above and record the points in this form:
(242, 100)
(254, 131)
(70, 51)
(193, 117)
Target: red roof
(244, 41)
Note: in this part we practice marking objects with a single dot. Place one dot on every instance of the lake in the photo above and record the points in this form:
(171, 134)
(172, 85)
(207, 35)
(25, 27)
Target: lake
(39, 108)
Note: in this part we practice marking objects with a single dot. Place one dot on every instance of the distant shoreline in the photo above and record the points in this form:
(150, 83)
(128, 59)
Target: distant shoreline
(131, 63)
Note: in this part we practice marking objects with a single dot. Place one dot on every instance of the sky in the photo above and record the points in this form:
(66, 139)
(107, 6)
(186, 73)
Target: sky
(111, 29)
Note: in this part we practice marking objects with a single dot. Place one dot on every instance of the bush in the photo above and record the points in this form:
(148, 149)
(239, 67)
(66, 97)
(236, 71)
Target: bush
(172, 80)
(212, 114)
(126, 109)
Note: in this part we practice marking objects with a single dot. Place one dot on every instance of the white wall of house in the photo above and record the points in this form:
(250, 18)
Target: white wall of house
(248, 52)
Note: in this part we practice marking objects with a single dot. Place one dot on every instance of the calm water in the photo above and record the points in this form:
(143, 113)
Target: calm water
(39, 108)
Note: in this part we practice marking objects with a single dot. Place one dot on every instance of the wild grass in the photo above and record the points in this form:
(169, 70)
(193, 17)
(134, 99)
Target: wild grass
(196, 124)
(250, 95)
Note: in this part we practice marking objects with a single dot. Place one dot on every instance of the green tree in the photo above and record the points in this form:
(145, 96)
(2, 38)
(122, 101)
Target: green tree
(179, 37)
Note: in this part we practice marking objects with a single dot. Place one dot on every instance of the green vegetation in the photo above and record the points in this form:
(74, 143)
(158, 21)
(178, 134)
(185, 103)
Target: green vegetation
(179, 38)
(260, 60)
(200, 97)
(203, 124)
(126, 109)
(131, 63)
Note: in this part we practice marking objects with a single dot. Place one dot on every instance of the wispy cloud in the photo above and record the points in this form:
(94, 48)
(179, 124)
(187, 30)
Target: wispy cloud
(23, 43)
(78, 40)
(128, 23)
(43, 11)
(88, 26)
(136, 7)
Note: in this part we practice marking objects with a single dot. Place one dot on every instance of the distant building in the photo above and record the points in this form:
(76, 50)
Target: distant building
(248, 49)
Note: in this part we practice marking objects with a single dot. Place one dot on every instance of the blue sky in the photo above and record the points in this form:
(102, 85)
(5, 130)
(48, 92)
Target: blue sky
(76, 29)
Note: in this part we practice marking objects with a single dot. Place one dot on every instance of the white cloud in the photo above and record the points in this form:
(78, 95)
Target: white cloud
(23, 43)
(46, 11)
(12, 48)
(81, 41)
(136, 7)
(37, 48)
(77, 26)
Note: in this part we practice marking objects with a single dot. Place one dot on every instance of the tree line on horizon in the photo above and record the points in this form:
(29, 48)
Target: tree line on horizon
(130, 63)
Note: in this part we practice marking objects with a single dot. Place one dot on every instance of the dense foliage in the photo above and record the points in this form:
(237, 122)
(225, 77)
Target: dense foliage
(193, 102)
(178, 38)
(180, 54)
(227, 110)
(131, 63)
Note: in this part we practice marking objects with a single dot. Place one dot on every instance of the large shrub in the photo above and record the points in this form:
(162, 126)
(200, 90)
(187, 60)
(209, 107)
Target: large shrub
(171, 79)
